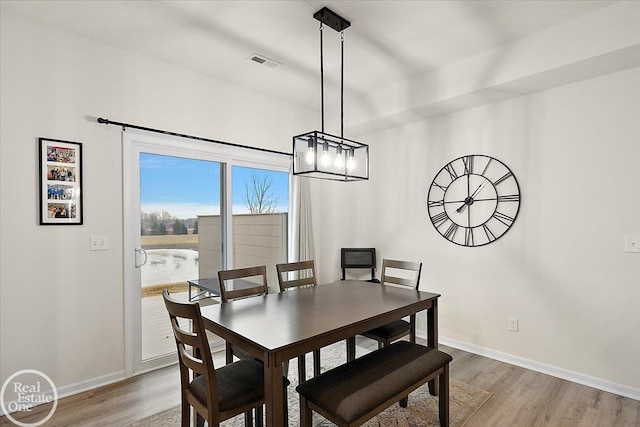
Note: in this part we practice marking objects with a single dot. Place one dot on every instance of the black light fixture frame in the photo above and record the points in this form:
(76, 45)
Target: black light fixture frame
(320, 140)
(332, 19)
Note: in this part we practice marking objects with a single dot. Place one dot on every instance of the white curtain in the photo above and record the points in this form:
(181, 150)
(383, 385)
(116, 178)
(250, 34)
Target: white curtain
(301, 242)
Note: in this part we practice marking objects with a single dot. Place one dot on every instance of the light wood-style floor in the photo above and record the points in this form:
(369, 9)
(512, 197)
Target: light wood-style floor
(521, 398)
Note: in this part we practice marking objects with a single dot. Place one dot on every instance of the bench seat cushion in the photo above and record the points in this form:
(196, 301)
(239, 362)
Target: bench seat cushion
(351, 390)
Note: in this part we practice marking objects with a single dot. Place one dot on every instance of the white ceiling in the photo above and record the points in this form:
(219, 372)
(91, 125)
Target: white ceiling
(388, 42)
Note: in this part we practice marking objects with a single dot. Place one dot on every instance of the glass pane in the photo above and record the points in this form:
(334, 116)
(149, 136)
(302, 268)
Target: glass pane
(260, 211)
(179, 198)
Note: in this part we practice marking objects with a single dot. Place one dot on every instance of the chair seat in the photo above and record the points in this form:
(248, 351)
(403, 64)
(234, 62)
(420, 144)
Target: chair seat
(390, 330)
(354, 389)
(239, 383)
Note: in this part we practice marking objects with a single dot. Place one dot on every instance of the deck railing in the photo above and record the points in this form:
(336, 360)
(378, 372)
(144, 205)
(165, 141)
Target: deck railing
(258, 239)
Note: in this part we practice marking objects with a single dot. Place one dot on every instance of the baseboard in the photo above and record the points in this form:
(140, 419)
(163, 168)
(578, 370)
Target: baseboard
(82, 386)
(554, 371)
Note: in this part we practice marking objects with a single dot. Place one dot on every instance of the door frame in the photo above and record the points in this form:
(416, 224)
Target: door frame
(133, 143)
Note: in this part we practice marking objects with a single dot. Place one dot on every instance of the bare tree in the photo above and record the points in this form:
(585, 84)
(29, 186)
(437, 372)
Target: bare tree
(156, 222)
(258, 195)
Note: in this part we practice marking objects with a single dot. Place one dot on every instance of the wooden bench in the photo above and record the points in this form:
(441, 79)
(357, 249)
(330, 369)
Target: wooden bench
(355, 392)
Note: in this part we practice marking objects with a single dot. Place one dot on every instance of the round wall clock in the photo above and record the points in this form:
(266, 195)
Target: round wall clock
(473, 200)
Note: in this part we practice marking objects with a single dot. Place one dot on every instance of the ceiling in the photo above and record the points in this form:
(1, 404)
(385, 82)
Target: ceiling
(388, 42)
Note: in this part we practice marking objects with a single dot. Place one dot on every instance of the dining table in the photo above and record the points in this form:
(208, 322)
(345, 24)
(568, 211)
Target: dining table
(278, 327)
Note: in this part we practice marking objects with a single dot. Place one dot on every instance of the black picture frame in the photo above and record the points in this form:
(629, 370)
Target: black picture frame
(60, 167)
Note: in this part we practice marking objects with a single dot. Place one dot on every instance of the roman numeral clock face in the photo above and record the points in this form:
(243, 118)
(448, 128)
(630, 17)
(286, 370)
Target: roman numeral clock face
(473, 200)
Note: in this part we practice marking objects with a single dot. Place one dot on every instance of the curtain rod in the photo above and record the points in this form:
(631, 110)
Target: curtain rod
(182, 135)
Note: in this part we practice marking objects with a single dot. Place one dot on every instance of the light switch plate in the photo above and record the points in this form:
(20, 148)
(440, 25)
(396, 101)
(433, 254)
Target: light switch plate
(99, 243)
(632, 244)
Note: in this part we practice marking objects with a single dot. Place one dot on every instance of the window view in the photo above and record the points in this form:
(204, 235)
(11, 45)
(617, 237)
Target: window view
(260, 218)
(181, 231)
(174, 193)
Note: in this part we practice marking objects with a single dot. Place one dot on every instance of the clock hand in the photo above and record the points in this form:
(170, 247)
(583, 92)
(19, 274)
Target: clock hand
(461, 208)
(469, 199)
(468, 195)
(481, 186)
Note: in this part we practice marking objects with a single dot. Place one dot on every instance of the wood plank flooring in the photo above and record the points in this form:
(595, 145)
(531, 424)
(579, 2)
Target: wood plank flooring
(521, 398)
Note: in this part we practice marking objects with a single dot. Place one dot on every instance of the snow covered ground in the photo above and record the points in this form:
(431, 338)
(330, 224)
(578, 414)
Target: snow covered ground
(169, 266)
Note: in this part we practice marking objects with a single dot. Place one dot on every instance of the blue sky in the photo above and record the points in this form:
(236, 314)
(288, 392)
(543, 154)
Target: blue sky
(186, 188)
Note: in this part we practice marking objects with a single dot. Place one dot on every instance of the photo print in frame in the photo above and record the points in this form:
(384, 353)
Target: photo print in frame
(60, 182)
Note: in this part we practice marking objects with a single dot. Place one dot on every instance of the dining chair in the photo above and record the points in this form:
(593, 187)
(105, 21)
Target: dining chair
(295, 275)
(358, 258)
(215, 394)
(395, 330)
(227, 290)
(230, 291)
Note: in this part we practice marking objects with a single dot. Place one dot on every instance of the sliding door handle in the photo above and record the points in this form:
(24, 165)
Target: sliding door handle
(141, 257)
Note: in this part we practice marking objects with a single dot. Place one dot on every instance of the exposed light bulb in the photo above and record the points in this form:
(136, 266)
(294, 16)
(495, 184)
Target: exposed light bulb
(339, 158)
(310, 157)
(325, 160)
(351, 161)
(311, 154)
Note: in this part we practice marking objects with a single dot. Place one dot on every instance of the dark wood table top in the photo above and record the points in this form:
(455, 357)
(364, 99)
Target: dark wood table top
(328, 313)
(278, 327)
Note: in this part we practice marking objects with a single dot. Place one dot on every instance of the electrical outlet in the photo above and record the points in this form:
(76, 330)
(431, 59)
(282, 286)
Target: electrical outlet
(632, 244)
(513, 324)
(99, 243)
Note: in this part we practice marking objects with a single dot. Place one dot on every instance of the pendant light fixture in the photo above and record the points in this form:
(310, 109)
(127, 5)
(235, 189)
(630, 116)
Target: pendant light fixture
(317, 154)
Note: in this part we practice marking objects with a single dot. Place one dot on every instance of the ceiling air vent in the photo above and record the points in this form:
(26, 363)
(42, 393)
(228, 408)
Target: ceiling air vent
(263, 60)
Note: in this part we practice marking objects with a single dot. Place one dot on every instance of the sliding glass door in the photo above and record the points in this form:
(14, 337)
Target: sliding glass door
(260, 219)
(192, 208)
(175, 192)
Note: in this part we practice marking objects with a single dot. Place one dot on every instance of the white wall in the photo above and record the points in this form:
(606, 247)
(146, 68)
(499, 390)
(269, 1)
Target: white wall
(561, 269)
(61, 306)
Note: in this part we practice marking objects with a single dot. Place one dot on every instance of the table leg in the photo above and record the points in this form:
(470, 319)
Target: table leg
(302, 369)
(316, 362)
(412, 332)
(432, 338)
(228, 350)
(351, 348)
(274, 392)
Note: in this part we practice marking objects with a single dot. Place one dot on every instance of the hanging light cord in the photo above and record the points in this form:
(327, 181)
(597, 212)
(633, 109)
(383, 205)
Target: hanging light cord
(341, 84)
(321, 76)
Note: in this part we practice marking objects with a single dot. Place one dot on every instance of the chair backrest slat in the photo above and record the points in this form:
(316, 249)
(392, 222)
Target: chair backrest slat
(303, 268)
(414, 267)
(227, 294)
(399, 281)
(184, 337)
(193, 363)
(297, 283)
